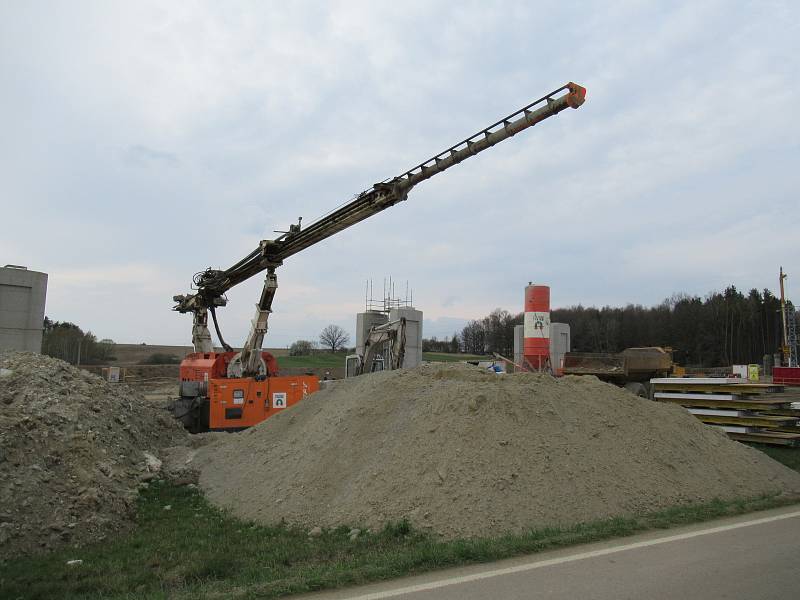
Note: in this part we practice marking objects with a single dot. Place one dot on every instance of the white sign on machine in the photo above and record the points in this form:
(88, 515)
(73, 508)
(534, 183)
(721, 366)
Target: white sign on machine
(279, 400)
(537, 325)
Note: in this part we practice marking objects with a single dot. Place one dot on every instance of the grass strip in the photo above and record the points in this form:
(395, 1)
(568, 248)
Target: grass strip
(787, 456)
(318, 360)
(193, 550)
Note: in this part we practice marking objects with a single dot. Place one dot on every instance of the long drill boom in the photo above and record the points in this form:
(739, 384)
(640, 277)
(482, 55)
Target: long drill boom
(386, 194)
(212, 284)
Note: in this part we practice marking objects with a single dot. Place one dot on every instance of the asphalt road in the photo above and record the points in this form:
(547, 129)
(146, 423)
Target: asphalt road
(752, 557)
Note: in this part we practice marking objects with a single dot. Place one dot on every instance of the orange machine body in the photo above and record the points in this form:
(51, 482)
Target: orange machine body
(536, 336)
(210, 400)
(203, 366)
(239, 403)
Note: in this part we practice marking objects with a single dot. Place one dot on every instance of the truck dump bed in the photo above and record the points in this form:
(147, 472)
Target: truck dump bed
(647, 360)
(630, 364)
(588, 363)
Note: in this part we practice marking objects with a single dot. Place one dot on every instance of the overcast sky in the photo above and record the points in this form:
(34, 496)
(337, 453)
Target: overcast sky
(142, 142)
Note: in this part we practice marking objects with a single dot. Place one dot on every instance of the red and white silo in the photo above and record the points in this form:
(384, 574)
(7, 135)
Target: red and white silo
(536, 331)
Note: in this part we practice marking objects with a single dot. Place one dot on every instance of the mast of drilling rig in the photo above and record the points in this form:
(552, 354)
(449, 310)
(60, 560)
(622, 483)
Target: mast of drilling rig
(212, 284)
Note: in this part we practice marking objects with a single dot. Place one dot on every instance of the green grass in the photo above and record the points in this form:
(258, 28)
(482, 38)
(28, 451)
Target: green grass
(321, 360)
(788, 456)
(195, 551)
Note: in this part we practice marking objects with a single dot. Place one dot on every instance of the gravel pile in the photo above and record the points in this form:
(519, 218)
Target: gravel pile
(461, 452)
(73, 451)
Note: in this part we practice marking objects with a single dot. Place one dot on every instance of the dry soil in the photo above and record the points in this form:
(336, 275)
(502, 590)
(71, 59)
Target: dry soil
(74, 450)
(461, 452)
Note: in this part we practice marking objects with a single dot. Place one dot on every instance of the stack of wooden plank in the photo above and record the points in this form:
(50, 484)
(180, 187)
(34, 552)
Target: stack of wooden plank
(746, 411)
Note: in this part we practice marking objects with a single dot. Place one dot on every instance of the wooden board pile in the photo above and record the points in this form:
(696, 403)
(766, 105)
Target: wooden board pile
(746, 411)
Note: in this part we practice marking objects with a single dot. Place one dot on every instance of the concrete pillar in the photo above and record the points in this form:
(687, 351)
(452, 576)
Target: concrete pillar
(22, 303)
(365, 321)
(413, 355)
(519, 335)
(560, 340)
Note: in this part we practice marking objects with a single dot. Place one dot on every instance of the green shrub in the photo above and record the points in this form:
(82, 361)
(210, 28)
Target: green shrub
(301, 348)
(161, 358)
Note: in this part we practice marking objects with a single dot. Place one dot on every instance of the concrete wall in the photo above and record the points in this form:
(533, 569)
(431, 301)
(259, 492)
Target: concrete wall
(365, 320)
(22, 302)
(413, 355)
(560, 340)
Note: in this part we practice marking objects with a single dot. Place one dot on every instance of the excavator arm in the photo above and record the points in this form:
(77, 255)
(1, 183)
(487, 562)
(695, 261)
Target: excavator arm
(211, 285)
(393, 335)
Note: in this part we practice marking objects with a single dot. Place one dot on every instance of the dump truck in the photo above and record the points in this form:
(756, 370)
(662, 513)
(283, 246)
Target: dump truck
(633, 368)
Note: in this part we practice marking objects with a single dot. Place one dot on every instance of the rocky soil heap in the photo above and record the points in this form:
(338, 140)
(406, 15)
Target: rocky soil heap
(72, 453)
(462, 452)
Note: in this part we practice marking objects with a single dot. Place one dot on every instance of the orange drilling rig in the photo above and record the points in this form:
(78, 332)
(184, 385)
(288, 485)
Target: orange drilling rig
(232, 390)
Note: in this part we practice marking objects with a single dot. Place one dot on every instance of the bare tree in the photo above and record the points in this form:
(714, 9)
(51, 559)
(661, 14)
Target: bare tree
(333, 337)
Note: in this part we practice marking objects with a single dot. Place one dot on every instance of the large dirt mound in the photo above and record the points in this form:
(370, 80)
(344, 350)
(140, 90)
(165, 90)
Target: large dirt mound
(71, 453)
(464, 453)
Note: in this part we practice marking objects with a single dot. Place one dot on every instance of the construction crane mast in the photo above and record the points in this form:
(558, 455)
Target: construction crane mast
(789, 345)
(211, 285)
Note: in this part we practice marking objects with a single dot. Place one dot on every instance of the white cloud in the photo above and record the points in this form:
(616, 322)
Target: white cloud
(144, 142)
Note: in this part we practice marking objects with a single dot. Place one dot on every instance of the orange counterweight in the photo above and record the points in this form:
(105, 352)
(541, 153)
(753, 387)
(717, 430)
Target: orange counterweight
(238, 403)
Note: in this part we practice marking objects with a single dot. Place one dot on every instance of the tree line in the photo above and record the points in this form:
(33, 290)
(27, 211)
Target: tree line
(723, 328)
(332, 338)
(69, 342)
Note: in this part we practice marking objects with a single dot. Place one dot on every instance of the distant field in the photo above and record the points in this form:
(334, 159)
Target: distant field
(134, 354)
(322, 360)
(447, 357)
(326, 360)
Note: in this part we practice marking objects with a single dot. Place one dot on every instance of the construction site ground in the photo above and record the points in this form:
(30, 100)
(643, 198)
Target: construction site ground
(177, 534)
